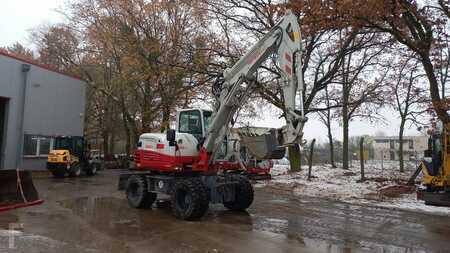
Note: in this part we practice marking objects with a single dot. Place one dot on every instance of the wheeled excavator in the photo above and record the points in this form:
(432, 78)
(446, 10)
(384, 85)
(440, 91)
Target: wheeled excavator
(190, 170)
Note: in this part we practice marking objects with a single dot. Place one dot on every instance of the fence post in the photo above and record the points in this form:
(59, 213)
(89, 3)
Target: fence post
(361, 156)
(311, 152)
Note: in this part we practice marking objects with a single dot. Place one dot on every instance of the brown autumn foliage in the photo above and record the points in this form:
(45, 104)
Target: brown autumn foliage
(420, 26)
(141, 59)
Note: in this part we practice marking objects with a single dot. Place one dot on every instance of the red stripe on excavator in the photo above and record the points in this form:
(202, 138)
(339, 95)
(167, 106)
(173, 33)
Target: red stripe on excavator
(288, 57)
(159, 145)
(288, 70)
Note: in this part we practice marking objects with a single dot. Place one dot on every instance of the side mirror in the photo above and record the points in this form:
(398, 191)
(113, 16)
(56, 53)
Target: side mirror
(170, 135)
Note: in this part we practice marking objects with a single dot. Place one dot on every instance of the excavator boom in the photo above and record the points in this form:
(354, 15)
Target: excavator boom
(284, 42)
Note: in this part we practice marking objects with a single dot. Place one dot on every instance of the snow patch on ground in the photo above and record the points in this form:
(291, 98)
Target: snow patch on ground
(344, 185)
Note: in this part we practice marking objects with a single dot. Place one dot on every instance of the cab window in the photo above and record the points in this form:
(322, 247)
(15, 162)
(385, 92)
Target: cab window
(207, 118)
(190, 122)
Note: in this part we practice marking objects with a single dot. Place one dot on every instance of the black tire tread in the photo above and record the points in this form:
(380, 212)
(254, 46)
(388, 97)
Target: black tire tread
(89, 169)
(58, 173)
(200, 198)
(147, 199)
(72, 172)
(244, 195)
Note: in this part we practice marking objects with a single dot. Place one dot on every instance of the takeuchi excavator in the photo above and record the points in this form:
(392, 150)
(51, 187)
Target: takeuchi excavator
(191, 170)
(435, 168)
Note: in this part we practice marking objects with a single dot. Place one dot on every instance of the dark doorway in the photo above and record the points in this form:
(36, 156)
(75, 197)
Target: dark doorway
(3, 112)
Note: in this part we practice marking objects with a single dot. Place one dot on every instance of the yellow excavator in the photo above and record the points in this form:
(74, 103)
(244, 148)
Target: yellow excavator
(70, 157)
(435, 168)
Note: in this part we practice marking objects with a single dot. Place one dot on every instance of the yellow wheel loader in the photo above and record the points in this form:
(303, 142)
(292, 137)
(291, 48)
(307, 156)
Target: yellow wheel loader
(436, 168)
(71, 156)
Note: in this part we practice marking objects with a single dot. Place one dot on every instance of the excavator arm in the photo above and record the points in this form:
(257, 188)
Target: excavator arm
(282, 41)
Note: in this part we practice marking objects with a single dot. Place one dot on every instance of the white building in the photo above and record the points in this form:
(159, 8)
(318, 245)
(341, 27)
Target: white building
(387, 147)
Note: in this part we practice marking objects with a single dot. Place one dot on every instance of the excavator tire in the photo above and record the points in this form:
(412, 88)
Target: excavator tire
(58, 171)
(75, 170)
(91, 169)
(137, 192)
(189, 199)
(244, 195)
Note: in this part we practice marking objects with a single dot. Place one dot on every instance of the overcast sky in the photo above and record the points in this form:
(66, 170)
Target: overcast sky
(17, 17)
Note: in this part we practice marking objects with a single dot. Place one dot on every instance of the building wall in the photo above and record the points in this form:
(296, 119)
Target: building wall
(386, 148)
(54, 105)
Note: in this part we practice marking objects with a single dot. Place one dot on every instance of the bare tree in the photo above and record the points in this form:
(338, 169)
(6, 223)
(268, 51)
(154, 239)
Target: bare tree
(410, 98)
(326, 117)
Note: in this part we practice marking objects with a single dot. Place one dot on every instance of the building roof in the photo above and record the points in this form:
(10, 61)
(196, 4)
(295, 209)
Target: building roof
(37, 64)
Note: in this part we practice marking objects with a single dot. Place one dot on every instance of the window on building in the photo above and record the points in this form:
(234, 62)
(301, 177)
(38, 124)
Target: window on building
(37, 146)
(411, 144)
(30, 145)
(44, 146)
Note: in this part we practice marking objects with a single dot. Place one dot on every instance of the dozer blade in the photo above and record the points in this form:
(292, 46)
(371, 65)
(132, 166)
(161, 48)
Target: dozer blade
(434, 198)
(11, 190)
(263, 146)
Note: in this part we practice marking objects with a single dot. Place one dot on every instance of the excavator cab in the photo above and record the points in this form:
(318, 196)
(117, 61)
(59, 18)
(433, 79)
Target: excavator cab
(435, 168)
(194, 121)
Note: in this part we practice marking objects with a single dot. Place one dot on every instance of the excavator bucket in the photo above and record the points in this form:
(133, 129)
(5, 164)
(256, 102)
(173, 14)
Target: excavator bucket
(262, 146)
(17, 190)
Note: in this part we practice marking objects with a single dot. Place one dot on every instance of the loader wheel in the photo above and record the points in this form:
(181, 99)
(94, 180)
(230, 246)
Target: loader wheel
(244, 195)
(75, 170)
(92, 169)
(58, 172)
(137, 193)
(189, 199)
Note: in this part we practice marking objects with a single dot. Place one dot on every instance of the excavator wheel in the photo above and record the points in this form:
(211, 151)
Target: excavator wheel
(189, 199)
(92, 169)
(137, 193)
(75, 170)
(244, 195)
(58, 171)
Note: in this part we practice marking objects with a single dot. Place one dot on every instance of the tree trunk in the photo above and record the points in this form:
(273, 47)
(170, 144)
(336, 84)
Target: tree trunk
(361, 157)
(127, 136)
(310, 162)
(105, 137)
(330, 141)
(400, 145)
(112, 143)
(165, 124)
(295, 158)
(439, 105)
(345, 124)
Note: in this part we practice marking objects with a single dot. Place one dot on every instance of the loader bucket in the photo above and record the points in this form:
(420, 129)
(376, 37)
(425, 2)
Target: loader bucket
(17, 190)
(263, 146)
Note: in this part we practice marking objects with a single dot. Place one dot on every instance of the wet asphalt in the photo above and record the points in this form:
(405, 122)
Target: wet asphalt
(88, 214)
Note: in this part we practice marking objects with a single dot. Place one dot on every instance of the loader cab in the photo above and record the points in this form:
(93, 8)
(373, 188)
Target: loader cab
(75, 144)
(194, 121)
